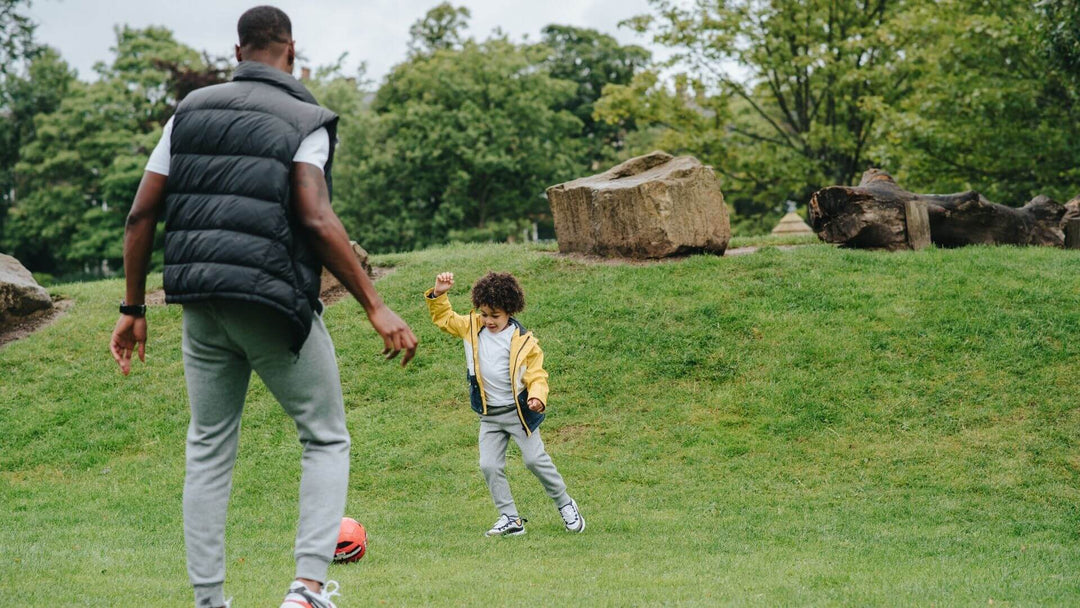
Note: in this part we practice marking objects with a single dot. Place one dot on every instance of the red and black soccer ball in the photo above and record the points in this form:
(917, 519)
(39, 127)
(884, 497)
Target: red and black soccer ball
(352, 541)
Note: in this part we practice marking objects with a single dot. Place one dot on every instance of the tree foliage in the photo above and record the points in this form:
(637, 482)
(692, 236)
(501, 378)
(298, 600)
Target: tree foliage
(19, 99)
(17, 43)
(790, 90)
(462, 138)
(988, 109)
(441, 28)
(76, 178)
(459, 140)
(786, 96)
(593, 60)
(1060, 26)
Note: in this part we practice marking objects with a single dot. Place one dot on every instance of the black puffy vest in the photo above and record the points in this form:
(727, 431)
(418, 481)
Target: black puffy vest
(230, 232)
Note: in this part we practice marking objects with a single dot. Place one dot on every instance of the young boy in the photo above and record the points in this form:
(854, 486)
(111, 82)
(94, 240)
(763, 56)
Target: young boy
(508, 388)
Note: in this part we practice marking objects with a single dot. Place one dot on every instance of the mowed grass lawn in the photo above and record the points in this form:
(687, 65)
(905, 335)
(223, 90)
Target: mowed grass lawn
(806, 427)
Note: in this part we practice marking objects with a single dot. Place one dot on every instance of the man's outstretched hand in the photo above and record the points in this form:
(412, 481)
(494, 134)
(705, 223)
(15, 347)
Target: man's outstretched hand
(396, 334)
(129, 333)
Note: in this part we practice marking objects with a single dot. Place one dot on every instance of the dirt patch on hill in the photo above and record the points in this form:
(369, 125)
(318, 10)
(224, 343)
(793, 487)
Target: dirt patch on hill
(19, 328)
(337, 293)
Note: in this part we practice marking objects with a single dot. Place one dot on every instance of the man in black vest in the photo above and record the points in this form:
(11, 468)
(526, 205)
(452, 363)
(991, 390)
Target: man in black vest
(242, 178)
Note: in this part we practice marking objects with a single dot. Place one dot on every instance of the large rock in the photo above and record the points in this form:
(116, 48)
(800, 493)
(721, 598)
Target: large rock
(330, 282)
(652, 206)
(20, 294)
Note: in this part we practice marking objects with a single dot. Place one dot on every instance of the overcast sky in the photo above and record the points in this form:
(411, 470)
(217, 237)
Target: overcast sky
(371, 31)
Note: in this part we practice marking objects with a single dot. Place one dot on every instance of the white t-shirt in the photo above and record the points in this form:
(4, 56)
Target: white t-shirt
(314, 150)
(495, 366)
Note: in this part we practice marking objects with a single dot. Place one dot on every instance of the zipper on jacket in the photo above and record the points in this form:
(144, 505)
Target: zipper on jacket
(475, 344)
(513, 364)
(513, 380)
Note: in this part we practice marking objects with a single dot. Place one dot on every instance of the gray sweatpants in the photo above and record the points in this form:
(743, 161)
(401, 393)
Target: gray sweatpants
(223, 342)
(495, 434)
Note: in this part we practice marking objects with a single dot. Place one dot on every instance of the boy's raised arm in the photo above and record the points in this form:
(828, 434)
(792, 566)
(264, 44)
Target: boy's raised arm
(442, 314)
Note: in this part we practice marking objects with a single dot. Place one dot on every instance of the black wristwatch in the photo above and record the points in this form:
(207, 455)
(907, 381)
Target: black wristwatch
(133, 310)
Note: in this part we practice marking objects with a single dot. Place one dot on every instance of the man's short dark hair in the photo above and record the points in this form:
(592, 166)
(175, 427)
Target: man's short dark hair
(499, 290)
(262, 26)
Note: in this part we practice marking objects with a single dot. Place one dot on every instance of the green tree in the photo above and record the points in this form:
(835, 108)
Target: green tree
(462, 144)
(17, 108)
(790, 91)
(593, 60)
(17, 42)
(1060, 27)
(77, 177)
(39, 91)
(988, 110)
(441, 28)
(348, 96)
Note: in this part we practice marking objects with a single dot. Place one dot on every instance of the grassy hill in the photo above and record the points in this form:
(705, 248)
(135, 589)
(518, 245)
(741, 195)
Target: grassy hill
(801, 427)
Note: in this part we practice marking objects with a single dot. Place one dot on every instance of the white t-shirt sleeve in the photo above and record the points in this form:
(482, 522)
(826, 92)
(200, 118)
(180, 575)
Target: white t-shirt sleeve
(160, 157)
(314, 150)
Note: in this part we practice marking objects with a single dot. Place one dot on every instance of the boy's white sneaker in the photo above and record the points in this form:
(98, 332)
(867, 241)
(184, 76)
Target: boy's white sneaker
(299, 596)
(507, 526)
(572, 517)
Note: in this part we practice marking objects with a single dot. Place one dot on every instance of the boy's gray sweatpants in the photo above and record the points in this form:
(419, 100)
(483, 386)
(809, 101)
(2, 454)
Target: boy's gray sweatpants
(495, 433)
(223, 342)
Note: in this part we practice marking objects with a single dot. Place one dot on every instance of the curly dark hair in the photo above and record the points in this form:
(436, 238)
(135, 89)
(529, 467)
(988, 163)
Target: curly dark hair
(499, 290)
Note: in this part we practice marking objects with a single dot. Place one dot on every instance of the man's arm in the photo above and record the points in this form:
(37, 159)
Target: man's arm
(311, 202)
(130, 332)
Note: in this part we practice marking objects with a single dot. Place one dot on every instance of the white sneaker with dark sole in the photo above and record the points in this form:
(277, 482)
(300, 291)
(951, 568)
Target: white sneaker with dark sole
(299, 596)
(572, 517)
(507, 526)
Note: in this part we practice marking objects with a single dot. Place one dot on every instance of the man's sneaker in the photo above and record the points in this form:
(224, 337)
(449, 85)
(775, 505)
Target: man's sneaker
(299, 596)
(507, 526)
(572, 517)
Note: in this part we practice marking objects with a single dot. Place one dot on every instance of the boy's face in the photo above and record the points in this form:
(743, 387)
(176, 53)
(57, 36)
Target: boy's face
(494, 319)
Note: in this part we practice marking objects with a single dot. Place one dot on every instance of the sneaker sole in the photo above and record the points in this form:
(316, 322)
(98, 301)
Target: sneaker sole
(516, 533)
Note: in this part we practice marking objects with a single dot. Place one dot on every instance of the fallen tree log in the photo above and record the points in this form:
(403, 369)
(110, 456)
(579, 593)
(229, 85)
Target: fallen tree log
(878, 214)
(1070, 224)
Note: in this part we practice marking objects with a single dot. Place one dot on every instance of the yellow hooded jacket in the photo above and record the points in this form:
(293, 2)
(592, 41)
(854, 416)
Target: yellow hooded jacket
(526, 359)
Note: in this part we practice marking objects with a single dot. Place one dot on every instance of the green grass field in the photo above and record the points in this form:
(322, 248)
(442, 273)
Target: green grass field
(807, 427)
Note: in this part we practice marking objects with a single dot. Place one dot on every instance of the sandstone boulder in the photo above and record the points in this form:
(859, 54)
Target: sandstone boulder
(20, 294)
(330, 283)
(651, 206)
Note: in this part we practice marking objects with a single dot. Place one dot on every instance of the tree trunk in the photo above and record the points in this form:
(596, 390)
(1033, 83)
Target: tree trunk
(879, 214)
(1070, 224)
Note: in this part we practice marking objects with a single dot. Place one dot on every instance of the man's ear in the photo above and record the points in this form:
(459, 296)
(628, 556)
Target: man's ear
(239, 58)
(292, 54)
